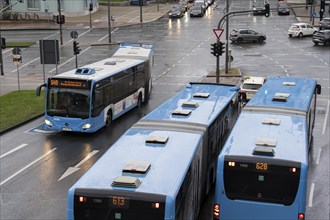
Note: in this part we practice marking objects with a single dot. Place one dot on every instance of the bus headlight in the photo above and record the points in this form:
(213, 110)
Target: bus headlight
(86, 126)
(47, 122)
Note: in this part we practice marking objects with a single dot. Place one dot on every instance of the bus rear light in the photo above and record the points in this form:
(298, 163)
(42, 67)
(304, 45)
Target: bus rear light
(301, 216)
(216, 211)
(231, 163)
(155, 205)
(293, 170)
(82, 199)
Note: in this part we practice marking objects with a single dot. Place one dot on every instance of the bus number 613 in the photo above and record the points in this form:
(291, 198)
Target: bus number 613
(118, 201)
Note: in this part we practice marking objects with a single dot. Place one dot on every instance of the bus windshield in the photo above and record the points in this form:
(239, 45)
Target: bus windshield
(262, 181)
(68, 102)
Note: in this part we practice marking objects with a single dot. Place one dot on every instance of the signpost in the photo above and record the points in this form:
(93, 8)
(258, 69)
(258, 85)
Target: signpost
(17, 60)
(218, 32)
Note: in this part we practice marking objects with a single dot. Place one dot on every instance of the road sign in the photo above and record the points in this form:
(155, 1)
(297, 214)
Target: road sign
(74, 34)
(218, 32)
(314, 14)
(17, 59)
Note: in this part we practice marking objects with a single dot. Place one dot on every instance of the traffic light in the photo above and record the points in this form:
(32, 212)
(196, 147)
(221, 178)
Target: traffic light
(60, 19)
(3, 43)
(76, 49)
(322, 9)
(222, 47)
(267, 9)
(90, 6)
(215, 49)
(310, 2)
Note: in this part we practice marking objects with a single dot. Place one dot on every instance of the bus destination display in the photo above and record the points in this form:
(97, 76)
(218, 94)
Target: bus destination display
(69, 83)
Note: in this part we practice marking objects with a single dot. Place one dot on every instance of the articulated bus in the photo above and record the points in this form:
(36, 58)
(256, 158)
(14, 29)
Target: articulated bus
(88, 98)
(263, 167)
(162, 166)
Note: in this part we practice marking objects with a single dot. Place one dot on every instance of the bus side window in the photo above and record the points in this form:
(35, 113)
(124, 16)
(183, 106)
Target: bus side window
(98, 102)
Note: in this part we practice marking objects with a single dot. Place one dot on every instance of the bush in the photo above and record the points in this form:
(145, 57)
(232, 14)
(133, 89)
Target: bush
(6, 15)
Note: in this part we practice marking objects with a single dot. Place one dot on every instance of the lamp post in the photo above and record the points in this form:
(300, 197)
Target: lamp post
(59, 14)
(109, 21)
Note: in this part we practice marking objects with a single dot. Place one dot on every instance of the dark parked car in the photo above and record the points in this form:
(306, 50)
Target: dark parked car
(322, 37)
(283, 9)
(244, 35)
(325, 23)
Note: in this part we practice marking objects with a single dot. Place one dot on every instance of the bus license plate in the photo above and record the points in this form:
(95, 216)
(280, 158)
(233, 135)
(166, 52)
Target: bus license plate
(66, 129)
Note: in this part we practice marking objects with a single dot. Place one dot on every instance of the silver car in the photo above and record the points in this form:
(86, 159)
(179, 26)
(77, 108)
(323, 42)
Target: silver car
(246, 35)
(325, 23)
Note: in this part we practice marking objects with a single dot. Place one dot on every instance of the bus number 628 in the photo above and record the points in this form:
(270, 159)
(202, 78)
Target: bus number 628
(262, 166)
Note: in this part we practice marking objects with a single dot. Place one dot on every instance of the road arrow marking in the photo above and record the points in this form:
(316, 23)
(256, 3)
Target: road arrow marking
(71, 170)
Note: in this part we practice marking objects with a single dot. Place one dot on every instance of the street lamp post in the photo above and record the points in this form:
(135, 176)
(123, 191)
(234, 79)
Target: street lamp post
(59, 14)
(109, 21)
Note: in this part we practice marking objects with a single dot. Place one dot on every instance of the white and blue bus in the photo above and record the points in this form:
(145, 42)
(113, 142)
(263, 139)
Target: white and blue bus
(263, 167)
(88, 98)
(161, 167)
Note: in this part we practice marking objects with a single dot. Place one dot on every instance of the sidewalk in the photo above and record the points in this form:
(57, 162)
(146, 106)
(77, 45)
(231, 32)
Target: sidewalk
(122, 15)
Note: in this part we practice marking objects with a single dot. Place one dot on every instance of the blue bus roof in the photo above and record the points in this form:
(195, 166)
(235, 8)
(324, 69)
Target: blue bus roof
(127, 55)
(163, 177)
(299, 95)
(289, 135)
(206, 109)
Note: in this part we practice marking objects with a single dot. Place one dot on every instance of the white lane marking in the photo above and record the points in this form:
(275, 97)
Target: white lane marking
(326, 118)
(27, 166)
(311, 194)
(71, 170)
(13, 150)
(318, 156)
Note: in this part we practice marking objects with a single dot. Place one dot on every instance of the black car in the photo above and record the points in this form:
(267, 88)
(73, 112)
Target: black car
(283, 9)
(322, 37)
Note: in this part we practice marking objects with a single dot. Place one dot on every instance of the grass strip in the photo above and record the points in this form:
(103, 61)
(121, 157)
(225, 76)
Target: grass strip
(17, 107)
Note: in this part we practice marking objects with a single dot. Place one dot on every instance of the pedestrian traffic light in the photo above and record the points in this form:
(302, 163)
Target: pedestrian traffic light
(221, 48)
(267, 9)
(76, 49)
(215, 49)
(90, 6)
(3, 43)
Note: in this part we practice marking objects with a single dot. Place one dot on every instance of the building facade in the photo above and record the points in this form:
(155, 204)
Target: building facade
(68, 7)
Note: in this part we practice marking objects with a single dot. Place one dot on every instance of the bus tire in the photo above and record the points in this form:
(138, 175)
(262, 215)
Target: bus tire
(139, 101)
(109, 118)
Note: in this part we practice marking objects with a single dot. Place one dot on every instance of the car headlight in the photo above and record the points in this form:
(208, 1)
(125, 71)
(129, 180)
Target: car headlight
(47, 122)
(86, 126)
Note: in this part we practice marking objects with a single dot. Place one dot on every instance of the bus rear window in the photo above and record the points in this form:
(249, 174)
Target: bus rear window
(262, 180)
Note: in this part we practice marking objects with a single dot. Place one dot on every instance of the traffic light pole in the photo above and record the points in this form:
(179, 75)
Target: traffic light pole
(1, 59)
(59, 14)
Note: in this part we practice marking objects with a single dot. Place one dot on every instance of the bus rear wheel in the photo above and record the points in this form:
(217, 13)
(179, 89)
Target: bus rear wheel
(139, 101)
(109, 118)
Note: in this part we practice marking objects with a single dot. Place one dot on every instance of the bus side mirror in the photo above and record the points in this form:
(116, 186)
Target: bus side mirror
(318, 89)
(39, 89)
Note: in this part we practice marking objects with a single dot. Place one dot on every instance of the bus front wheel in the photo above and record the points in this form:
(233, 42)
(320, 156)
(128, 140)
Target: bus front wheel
(109, 118)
